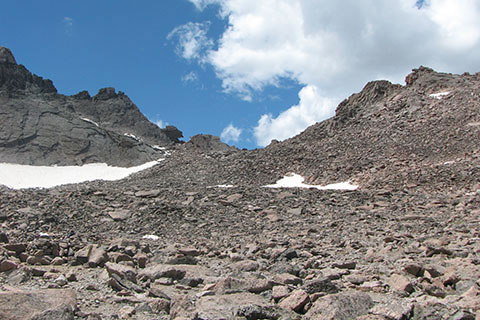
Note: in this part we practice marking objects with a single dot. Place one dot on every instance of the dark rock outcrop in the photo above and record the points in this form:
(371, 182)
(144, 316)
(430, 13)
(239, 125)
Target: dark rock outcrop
(116, 112)
(38, 126)
(17, 80)
(208, 143)
(6, 56)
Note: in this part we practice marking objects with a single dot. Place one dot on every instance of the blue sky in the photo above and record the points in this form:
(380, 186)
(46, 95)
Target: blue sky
(268, 69)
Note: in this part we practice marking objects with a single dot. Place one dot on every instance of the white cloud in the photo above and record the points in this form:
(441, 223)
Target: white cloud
(68, 21)
(294, 120)
(458, 21)
(336, 47)
(230, 134)
(68, 24)
(160, 124)
(202, 4)
(192, 40)
(190, 77)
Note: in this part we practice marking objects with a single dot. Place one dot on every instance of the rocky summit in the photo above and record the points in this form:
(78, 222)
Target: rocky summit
(38, 126)
(199, 236)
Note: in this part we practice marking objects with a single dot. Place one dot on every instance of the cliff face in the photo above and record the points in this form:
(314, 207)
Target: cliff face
(38, 126)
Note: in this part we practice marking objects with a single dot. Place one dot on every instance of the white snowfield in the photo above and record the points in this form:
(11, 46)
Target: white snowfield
(439, 95)
(294, 180)
(18, 176)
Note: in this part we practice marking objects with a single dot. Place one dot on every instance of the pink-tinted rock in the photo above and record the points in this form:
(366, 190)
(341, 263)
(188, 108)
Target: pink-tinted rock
(7, 265)
(340, 306)
(279, 292)
(38, 304)
(401, 284)
(295, 301)
(124, 272)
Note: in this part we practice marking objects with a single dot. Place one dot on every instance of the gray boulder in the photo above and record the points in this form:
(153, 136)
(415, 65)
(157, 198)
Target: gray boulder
(341, 306)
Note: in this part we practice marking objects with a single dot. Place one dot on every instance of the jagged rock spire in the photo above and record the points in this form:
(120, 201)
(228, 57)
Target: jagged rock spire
(6, 56)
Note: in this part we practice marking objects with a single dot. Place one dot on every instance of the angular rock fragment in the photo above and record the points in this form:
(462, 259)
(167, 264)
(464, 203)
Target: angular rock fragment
(38, 304)
(345, 265)
(123, 271)
(340, 306)
(279, 292)
(394, 310)
(295, 301)
(82, 255)
(287, 278)
(7, 265)
(246, 265)
(119, 214)
(320, 285)
(220, 307)
(401, 284)
(414, 269)
(97, 257)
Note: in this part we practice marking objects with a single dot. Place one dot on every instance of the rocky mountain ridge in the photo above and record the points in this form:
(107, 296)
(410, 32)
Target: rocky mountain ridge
(41, 127)
(421, 135)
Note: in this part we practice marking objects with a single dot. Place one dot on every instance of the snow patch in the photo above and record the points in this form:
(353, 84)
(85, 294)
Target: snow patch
(130, 135)
(91, 121)
(17, 176)
(158, 147)
(296, 181)
(224, 186)
(151, 237)
(439, 95)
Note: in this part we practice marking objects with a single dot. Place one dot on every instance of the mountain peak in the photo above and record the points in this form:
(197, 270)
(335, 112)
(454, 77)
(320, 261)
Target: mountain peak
(105, 94)
(6, 56)
(16, 78)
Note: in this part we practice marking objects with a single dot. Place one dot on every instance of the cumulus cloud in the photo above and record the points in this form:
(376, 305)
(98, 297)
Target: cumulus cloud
(230, 134)
(192, 40)
(333, 48)
(294, 120)
(458, 22)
